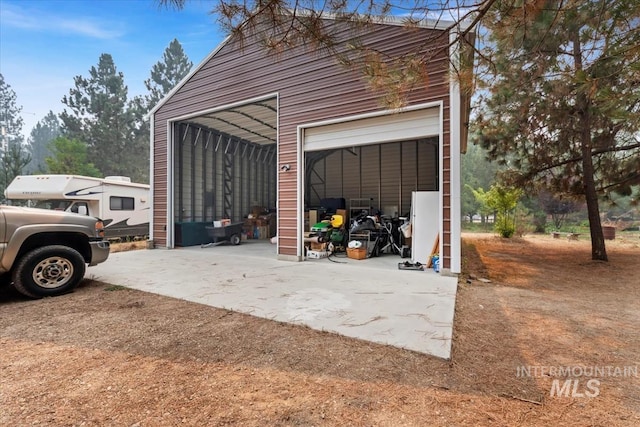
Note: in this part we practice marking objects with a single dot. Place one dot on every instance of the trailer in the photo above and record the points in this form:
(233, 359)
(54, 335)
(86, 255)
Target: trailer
(227, 233)
(122, 205)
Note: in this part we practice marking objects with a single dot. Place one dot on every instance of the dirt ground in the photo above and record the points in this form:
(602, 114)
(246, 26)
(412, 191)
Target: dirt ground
(105, 355)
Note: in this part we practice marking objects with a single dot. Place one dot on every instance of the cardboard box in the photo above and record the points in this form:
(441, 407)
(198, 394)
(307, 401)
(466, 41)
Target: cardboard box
(317, 254)
(256, 211)
(356, 253)
(313, 218)
(318, 246)
(263, 232)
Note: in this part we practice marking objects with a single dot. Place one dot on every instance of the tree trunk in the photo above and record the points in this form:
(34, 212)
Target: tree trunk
(598, 250)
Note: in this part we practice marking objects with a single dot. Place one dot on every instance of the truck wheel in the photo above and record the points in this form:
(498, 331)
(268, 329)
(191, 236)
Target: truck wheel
(235, 239)
(48, 271)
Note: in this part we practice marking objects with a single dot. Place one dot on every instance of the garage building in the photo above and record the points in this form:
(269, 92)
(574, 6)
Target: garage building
(247, 128)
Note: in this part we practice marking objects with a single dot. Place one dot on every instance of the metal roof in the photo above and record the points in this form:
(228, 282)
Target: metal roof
(255, 122)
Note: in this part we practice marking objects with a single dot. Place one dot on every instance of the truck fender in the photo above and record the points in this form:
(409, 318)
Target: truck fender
(18, 238)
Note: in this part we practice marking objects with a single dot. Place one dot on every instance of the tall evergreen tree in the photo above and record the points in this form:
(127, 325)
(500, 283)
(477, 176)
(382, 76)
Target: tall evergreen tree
(45, 131)
(101, 116)
(166, 74)
(561, 97)
(13, 155)
(14, 160)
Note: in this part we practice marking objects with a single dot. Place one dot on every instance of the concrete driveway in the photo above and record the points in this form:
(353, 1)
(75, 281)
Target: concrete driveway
(368, 299)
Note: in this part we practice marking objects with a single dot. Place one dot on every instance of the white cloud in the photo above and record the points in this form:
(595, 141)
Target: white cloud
(43, 21)
(88, 28)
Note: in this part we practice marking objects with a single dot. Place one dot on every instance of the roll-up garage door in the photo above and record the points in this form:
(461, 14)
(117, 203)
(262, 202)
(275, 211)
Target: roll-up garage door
(408, 125)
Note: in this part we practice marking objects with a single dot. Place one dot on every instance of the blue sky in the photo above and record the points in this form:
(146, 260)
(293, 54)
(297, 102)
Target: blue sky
(45, 44)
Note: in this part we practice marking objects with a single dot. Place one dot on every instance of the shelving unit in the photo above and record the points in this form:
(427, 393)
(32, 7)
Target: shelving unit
(359, 205)
(365, 238)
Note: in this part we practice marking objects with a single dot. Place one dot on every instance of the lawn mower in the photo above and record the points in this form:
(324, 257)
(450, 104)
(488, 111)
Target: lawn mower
(331, 231)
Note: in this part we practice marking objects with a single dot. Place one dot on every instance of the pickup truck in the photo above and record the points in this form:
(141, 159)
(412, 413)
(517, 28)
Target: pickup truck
(45, 253)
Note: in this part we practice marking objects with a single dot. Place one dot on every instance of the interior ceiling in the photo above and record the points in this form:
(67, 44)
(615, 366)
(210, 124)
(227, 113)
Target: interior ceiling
(255, 122)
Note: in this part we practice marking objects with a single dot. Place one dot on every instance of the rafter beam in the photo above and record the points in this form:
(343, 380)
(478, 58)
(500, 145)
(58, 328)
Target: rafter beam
(255, 119)
(227, 122)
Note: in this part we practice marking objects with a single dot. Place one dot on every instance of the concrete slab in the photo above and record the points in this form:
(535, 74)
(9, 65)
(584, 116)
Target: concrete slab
(366, 299)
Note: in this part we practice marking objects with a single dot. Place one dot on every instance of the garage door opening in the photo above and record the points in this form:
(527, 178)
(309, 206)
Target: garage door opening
(383, 166)
(378, 179)
(224, 165)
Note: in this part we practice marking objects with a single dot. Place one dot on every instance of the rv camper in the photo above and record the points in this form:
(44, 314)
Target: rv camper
(124, 206)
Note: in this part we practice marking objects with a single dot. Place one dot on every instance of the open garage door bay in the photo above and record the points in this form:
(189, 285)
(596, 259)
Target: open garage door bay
(382, 158)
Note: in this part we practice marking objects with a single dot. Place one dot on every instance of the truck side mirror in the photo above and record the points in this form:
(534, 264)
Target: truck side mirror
(82, 210)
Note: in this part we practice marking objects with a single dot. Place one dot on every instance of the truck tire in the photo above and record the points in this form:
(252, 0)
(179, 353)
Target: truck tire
(5, 280)
(48, 271)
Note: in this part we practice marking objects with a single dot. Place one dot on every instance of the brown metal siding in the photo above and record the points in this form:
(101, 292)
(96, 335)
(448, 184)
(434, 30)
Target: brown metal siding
(446, 189)
(160, 183)
(311, 87)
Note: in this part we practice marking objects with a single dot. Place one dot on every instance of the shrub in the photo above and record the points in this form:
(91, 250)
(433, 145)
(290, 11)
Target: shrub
(505, 226)
(503, 201)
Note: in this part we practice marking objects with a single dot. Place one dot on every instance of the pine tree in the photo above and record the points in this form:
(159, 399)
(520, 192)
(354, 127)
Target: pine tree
(45, 131)
(13, 155)
(560, 98)
(101, 116)
(166, 74)
(14, 160)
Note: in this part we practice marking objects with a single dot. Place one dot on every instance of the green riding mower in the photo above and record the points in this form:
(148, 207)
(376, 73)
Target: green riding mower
(331, 231)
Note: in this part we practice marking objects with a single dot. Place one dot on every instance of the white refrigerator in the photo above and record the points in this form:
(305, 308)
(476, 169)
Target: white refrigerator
(425, 224)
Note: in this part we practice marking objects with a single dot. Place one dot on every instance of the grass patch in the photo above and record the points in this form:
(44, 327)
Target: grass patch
(477, 227)
(112, 288)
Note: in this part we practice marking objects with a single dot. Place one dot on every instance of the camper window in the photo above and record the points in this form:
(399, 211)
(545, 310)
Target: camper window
(121, 203)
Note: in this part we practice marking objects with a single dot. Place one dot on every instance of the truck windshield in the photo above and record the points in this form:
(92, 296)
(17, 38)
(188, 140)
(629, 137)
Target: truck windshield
(54, 205)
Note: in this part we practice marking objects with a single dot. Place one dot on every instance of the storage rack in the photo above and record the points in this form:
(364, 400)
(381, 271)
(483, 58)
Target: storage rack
(360, 204)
